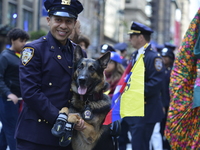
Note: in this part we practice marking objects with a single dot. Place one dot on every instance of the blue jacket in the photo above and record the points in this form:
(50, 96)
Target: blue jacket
(154, 76)
(9, 73)
(45, 76)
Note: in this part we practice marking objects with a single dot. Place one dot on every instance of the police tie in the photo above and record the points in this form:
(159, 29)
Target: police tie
(134, 58)
(64, 51)
(68, 54)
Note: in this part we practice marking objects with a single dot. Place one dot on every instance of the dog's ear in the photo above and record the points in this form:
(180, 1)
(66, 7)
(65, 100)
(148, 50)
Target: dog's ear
(78, 54)
(103, 60)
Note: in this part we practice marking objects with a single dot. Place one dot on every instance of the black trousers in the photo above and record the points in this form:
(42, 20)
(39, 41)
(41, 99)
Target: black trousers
(141, 135)
(8, 116)
(123, 138)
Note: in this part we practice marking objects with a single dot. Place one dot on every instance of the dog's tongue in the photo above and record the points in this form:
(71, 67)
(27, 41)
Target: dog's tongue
(82, 90)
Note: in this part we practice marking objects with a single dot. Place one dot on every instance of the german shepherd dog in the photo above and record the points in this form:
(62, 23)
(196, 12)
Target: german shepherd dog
(90, 103)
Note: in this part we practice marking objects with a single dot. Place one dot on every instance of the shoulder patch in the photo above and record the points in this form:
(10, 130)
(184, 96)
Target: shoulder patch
(158, 64)
(27, 55)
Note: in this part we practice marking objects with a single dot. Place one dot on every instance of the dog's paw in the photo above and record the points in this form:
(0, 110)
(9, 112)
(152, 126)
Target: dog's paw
(64, 110)
(74, 118)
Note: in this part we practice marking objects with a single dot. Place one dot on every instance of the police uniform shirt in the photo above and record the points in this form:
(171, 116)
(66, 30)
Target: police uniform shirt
(141, 51)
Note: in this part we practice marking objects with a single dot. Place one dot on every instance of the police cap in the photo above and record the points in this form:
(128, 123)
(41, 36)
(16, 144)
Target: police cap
(107, 48)
(63, 8)
(120, 46)
(159, 47)
(138, 28)
(170, 46)
(166, 52)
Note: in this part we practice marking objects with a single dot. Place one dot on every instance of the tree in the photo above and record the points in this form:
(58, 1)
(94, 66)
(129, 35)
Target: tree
(37, 34)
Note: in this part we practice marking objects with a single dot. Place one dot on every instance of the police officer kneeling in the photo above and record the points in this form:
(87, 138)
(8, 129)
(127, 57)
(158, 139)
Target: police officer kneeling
(45, 78)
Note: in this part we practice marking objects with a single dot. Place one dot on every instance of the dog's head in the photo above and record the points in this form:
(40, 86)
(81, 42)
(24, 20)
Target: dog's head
(88, 73)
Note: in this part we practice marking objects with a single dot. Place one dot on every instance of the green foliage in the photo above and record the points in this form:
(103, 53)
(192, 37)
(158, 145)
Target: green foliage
(37, 34)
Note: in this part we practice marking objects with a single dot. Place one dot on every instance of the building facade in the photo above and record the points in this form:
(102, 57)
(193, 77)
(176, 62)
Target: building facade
(169, 20)
(23, 14)
(103, 21)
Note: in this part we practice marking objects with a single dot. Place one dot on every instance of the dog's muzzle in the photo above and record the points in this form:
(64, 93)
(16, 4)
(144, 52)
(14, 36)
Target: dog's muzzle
(82, 88)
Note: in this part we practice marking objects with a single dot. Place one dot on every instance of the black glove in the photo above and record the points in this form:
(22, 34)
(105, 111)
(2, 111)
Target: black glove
(66, 138)
(59, 127)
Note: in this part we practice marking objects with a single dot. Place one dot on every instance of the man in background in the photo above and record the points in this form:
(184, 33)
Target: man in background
(141, 128)
(10, 87)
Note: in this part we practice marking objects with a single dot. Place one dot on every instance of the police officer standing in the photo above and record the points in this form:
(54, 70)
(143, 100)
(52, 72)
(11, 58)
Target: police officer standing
(168, 57)
(141, 128)
(45, 76)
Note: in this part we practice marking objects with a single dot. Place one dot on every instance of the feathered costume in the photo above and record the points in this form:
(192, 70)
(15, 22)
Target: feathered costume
(183, 122)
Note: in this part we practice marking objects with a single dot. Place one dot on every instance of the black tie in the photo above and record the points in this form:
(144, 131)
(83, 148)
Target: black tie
(134, 58)
(68, 54)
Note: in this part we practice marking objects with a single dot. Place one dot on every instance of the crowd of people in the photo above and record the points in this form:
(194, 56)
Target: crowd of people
(33, 90)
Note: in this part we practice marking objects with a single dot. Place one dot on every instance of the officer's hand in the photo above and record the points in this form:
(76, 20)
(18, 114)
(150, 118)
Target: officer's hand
(13, 97)
(77, 120)
(80, 125)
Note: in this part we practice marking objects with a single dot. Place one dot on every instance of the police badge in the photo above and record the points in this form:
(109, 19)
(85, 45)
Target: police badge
(87, 114)
(27, 54)
(158, 64)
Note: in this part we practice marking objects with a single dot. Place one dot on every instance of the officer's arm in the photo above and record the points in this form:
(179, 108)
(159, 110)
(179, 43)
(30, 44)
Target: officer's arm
(155, 76)
(30, 82)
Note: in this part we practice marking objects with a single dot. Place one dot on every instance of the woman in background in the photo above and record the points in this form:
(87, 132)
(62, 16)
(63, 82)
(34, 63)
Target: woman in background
(113, 72)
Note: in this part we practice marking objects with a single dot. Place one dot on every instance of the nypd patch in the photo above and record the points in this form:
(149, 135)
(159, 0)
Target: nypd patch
(27, 55)
(158, 64)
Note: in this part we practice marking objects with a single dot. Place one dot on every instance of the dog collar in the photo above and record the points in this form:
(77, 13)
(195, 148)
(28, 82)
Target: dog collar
(92, 97)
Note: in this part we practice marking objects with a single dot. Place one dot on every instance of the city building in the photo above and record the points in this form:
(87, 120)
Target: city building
(103, 21)
(169, 20)
(24, 14)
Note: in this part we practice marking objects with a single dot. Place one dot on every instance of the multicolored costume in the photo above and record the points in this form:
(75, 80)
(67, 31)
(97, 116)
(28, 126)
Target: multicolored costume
(183, 122)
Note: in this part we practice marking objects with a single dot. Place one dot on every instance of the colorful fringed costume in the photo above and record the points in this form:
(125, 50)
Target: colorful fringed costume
(183, 122)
